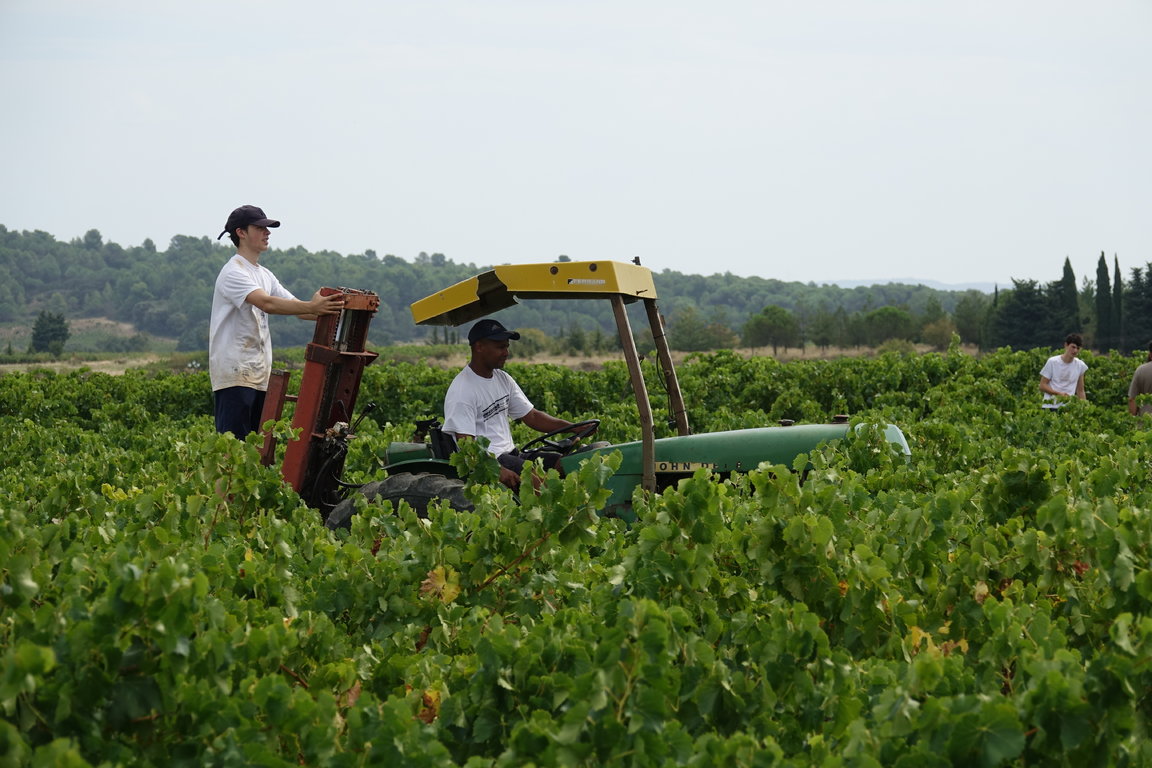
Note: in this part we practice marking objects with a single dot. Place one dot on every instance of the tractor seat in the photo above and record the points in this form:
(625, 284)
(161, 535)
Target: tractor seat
(443, 443)
(430, 433)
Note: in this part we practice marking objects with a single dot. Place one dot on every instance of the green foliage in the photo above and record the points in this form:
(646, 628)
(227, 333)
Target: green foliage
(691, 332)
(886, 323)
(167, 600)
(969, 317)
(773, 326)
(49, 333)
(532, 342)
(896, 346)
(938, 333)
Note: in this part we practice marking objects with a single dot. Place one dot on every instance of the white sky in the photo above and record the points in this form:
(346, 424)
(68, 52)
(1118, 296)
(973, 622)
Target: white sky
(947, 141)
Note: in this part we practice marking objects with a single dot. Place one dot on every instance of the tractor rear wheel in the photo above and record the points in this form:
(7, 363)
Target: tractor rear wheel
(419, 490)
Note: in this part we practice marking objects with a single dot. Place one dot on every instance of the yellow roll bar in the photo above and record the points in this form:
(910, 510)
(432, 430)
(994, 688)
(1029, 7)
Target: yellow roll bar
(500, 287)
(621, 283)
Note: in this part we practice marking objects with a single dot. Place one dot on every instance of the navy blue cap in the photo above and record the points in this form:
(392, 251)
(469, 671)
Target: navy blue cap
(490, 329)
(245, 216)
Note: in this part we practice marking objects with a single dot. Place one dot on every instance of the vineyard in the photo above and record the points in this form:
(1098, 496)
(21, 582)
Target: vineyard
(167, 601)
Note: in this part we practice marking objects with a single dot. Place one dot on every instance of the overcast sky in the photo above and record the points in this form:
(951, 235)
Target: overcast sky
(945, 141)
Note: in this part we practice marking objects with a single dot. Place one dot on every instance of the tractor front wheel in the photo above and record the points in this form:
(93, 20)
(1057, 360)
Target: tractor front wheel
(419, 490)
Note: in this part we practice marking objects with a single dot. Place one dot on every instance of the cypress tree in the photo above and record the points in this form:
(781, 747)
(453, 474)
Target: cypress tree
(1066, 303)
(1105, 333)
(1118, 340)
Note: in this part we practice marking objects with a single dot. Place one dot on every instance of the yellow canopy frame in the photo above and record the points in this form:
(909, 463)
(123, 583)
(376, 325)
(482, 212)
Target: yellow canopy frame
(617, 282)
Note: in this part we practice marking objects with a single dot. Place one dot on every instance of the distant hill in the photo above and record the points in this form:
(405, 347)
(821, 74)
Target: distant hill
(168, 293)
(936, 285)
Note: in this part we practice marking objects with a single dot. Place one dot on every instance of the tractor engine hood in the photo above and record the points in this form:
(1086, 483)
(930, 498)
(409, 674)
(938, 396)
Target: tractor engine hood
(738, 450)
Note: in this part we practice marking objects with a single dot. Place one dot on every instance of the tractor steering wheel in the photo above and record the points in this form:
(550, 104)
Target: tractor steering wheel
(579, 430)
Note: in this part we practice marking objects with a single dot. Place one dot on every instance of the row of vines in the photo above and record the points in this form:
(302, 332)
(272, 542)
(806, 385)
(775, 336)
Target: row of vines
(165, 600)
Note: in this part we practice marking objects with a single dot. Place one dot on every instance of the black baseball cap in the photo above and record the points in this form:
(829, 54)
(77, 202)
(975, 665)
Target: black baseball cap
(246, 216)
(490, 329)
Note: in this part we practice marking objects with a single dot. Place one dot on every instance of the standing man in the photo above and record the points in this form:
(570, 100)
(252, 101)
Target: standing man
(239, 345)
(1141, 385)
(1063, 375)
(483, 398)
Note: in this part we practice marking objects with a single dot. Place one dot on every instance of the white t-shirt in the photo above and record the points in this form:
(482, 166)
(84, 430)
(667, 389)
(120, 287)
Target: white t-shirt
(1063, 376)
(239, 345)
(483, 407)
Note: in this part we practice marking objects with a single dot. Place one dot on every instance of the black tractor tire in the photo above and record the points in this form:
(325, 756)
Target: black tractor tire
(419, 490)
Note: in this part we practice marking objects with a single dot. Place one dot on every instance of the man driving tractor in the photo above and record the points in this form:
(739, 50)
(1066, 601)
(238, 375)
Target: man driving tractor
(483, 398)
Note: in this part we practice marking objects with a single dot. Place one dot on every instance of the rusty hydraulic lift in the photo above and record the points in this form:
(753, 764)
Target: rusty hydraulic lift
(334, 363)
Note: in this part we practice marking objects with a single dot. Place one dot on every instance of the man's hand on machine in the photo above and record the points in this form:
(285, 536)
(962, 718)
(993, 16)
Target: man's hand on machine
(325, 305)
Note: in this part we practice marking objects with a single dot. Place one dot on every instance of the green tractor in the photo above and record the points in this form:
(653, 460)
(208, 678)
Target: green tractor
(420, 472)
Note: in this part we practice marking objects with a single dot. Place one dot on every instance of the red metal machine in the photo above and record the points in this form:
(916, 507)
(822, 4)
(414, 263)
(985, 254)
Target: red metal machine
(333, 364)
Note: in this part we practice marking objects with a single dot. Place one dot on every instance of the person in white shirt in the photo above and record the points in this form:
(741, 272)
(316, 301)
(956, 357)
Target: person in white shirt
(483, 398)
(239, 345)
(1062, 376)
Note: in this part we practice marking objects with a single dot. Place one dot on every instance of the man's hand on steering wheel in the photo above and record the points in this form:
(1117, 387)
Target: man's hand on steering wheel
(579, 430)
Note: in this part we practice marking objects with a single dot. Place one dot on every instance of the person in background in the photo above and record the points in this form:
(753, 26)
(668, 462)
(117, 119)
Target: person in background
(239, 344)
(483, 398)
(1062, 376)
(1141, 385)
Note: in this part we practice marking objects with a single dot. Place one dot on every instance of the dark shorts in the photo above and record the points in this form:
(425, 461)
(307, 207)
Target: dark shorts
(515, 460)
(238, 410)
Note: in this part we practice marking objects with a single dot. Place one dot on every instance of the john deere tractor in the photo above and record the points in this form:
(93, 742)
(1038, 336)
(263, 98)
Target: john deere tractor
(420, 472)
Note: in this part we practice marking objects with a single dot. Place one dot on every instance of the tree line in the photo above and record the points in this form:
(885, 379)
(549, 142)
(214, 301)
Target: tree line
(1111, 312)
(168, 293)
